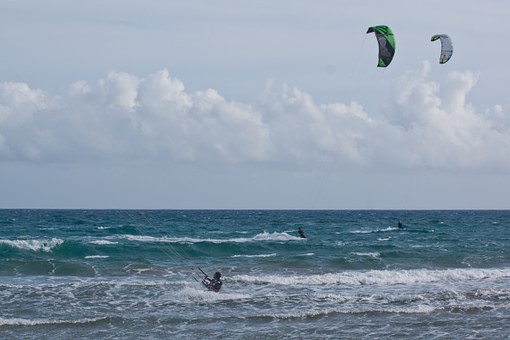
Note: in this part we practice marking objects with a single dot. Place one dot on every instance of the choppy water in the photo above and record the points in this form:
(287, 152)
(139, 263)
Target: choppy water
(133, 274)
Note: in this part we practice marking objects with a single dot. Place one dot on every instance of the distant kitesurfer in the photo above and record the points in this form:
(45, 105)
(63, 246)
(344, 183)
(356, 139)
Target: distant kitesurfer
(213, 284)
(400, 225)
(301, 233)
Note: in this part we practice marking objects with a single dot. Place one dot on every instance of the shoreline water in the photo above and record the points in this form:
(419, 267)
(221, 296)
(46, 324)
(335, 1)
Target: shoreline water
(131, 274)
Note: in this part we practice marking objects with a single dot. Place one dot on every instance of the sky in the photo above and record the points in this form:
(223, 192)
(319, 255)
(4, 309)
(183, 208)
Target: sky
(155, 104)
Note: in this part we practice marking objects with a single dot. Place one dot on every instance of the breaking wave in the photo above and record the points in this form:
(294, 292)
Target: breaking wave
(38, 322)
(380, 277)
(265, 236)
(45, 245)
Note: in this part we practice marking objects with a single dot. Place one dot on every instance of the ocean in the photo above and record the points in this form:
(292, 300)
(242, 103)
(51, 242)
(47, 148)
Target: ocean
(132, 274)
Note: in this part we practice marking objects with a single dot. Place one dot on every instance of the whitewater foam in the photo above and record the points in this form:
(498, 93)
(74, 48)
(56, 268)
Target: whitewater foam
(260, 255)
(380, 277)
(38, 322)
(34, 245)
(265, 236)
(373, 255)
(103, 242)
(373, 231)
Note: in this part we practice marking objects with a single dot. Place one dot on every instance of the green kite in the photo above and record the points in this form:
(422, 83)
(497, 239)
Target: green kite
(386, 42)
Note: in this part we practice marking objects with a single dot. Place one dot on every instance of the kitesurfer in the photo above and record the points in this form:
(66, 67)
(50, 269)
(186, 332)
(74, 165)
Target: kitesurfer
(301, 233)
(213, 284)
(400, 225)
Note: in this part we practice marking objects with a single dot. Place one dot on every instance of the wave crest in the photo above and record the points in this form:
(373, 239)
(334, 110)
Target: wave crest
(380, 277)
(264, 237)
(34, 245)
(37, 322)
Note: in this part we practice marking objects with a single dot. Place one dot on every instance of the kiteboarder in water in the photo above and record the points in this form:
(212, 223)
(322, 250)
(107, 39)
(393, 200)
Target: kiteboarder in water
(400, 225)
(301, 233)
(213, 284)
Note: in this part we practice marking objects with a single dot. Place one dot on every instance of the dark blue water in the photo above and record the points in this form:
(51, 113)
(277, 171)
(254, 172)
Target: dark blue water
(134, 273)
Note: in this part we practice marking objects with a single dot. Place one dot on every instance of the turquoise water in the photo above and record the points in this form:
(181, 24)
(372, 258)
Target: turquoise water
(133, 273)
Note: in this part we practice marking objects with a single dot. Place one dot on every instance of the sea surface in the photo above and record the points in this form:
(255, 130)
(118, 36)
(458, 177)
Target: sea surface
(133, 274)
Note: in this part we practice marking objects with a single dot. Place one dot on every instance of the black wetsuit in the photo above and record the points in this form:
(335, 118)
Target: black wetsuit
(301, 233)
(212, 284)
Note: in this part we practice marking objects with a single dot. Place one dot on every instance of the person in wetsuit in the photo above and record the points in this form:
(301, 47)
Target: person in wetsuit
(213, 284)
(301, 232)
(400, 225)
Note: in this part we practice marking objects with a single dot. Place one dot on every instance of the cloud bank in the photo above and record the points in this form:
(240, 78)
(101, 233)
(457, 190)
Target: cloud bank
(424, 124)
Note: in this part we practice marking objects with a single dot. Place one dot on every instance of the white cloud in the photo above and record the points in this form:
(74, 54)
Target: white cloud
(427, 124)
(119, 89)
(442, 129)
(304, 131)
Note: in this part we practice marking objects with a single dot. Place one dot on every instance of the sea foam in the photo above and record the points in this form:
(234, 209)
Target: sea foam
(264, 237)
(380, 277)
(37, 322)
(34, 245)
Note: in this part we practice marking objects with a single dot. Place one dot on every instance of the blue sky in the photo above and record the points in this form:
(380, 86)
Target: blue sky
(252, 104)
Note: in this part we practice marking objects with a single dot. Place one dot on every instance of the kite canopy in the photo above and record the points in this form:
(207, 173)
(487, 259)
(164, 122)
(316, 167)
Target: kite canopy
(386, 42)
(446, 47)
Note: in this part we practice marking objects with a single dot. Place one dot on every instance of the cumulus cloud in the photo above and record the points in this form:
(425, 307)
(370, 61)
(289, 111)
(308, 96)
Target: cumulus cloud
(425, 124)
(441, 129)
